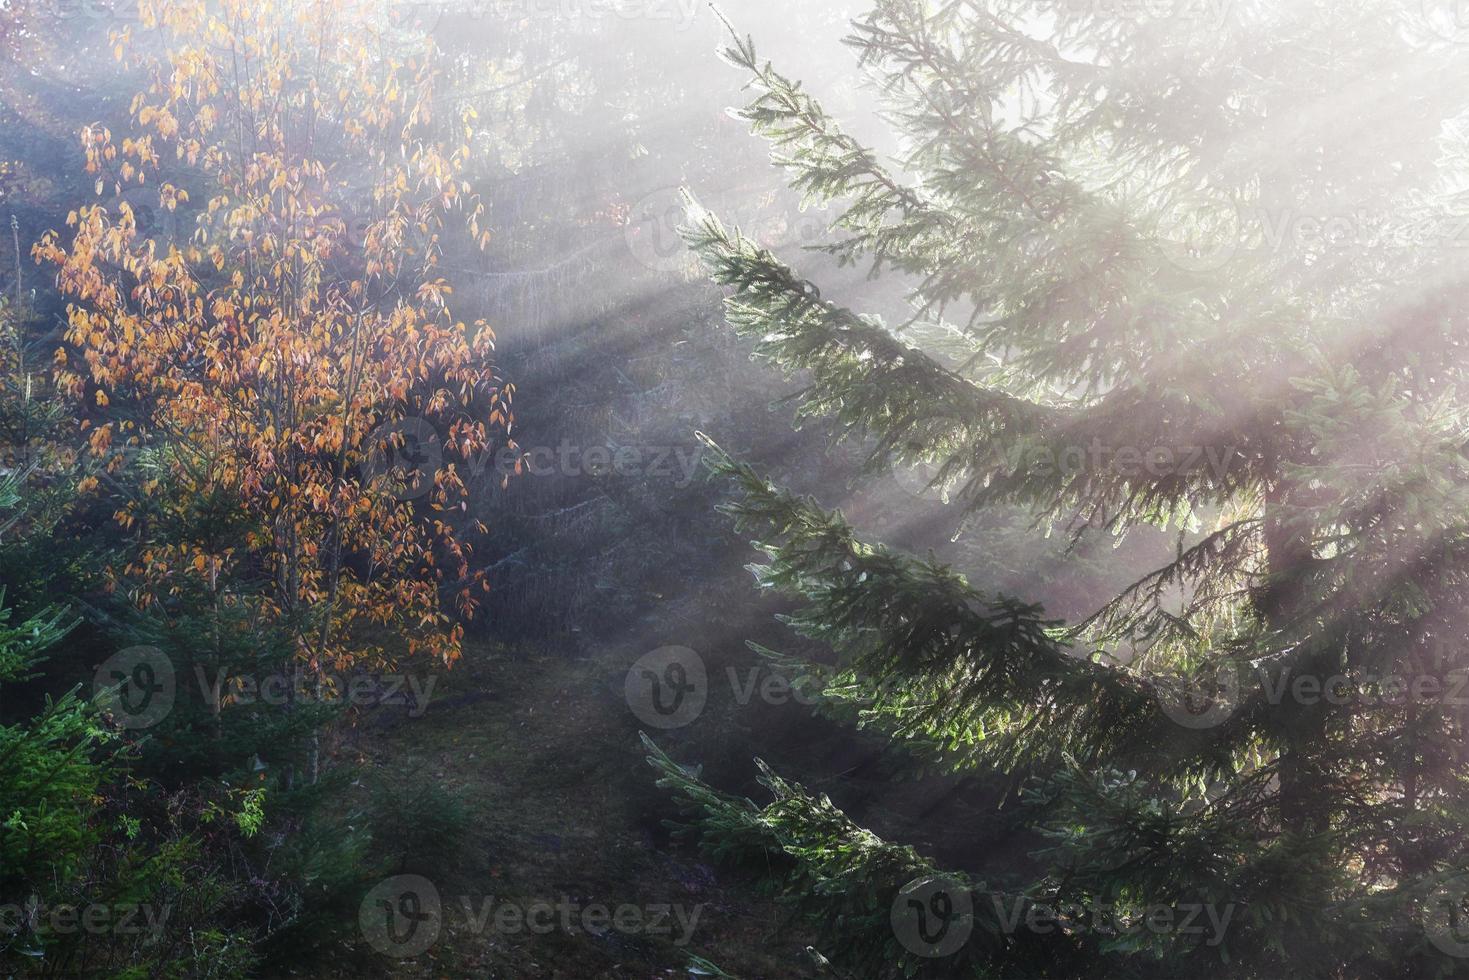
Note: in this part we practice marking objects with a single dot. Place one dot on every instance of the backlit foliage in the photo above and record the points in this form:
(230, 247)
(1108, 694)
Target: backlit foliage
(257, 339)
(1113, 222)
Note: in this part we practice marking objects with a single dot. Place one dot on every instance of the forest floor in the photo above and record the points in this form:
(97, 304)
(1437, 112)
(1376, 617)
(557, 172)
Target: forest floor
(539, 745)
(544, 753)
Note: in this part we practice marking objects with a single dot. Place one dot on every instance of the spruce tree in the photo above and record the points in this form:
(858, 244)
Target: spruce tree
(1201, 267)
(50, 771)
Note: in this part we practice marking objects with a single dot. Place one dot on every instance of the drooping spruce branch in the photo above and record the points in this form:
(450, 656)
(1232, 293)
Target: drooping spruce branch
(984, 676)
(1002, 447)
(860, 374)
(845, 879)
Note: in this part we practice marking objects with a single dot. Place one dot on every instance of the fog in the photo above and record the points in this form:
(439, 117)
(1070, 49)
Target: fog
(631, 488)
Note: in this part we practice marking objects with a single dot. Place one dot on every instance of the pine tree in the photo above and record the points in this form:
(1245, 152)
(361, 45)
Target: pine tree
(1205, 264)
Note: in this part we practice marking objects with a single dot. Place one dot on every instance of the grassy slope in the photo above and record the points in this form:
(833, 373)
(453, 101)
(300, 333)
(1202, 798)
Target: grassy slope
(544, 752)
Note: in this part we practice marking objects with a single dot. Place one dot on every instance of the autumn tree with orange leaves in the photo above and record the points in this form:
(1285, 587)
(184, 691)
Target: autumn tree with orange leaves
(265, 337)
